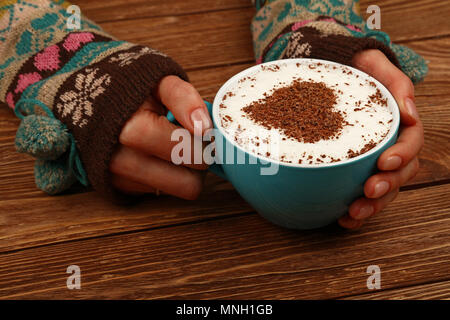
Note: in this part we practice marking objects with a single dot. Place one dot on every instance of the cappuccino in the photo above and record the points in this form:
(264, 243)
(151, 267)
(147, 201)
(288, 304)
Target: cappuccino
(310, 113)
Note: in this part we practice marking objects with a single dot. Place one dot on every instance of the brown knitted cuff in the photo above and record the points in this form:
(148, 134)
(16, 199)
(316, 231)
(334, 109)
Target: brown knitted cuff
(96, 101)
(308, 42)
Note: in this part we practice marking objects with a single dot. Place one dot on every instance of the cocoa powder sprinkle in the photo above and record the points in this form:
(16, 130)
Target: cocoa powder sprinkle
(303, 111)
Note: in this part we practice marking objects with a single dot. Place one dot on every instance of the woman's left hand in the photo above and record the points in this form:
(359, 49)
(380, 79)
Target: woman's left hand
(399, 163)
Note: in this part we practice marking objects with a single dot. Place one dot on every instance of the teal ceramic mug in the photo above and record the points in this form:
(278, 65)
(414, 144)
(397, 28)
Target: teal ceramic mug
(297, 196)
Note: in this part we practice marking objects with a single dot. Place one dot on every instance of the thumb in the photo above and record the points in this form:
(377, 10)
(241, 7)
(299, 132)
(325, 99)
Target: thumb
(376, 64)
(185, 102)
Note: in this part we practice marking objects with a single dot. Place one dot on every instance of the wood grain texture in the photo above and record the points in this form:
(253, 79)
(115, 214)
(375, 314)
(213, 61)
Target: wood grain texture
(245, 257)
(437, 53)
(433, 104)
(429, 291)
(216, 247)
(406, 20)
(194, 41)
(432, 100)
(225, 35)
(43, 220)
(425, 18)
(39, 219)
(114, 10)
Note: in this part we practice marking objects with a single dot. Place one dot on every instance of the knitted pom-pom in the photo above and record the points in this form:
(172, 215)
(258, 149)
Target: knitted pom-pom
(53, 176)
(42, 137)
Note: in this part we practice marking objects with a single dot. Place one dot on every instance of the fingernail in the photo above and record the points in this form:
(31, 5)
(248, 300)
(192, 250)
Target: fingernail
(201, 115)
(364, 212)
(392, 163)
(381, 188)
(411, 108)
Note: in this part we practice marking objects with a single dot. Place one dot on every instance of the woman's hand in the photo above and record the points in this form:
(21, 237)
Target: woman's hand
(142, 163)
(399, 163)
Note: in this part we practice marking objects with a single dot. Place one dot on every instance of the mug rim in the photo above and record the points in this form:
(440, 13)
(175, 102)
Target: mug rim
(392, 133)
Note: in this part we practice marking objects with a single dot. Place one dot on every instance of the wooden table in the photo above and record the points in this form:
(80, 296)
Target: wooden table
(217, 246)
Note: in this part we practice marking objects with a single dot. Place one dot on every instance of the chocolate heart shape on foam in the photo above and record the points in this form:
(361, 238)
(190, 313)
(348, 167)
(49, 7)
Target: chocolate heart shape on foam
(303, 111)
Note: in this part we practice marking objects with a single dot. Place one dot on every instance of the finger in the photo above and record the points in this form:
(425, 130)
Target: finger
(376, 64)
(364, 208)
(179, 181)
(407, 147)
(151, 104)
(129, 186)
(152, 133)
(348, 223)
(185, 102)
(385, 182)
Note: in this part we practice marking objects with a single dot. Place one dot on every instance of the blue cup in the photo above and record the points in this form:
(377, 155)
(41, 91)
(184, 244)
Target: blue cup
(297, 196)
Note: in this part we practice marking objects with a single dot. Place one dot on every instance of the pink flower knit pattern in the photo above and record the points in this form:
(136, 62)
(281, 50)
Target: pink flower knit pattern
(74, 40)
(48, 59)
(26, 80)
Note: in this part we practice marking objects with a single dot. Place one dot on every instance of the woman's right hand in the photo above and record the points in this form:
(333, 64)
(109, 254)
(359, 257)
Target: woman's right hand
(142, 162)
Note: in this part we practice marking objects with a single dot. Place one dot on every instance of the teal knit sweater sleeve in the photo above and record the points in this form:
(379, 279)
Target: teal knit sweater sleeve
(324, 29)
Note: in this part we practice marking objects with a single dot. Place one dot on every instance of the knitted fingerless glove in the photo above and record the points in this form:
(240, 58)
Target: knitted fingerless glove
(73, 89)
(324, 29)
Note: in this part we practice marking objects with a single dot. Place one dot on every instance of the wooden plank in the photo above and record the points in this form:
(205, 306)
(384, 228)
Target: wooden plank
(194, 41)
(42, 220)
(433, 104)
(410, 20)
(434, 157)
(245, 257)
(432, 99)
(437, 53)
(16, 170)
(425, 19)
(429, 291)
(114, 10)
(17, 182)
(224, 37)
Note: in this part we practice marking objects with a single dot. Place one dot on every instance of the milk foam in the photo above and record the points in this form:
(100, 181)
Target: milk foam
(367, 125)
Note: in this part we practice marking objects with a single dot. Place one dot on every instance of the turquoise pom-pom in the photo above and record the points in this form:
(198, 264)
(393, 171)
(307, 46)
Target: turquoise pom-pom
(53, 176)
(42, 137)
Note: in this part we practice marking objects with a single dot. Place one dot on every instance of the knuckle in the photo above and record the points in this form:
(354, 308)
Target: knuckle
(410, 85)
(156, 122)
(177, 88)
(373, 56)
(139, 127)
(394, 180)
(407, 83)
(416, 167)
(382, 203)
(170, 82)
(183, 90)
(118, 163)
(192, 187)
(362, 59)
